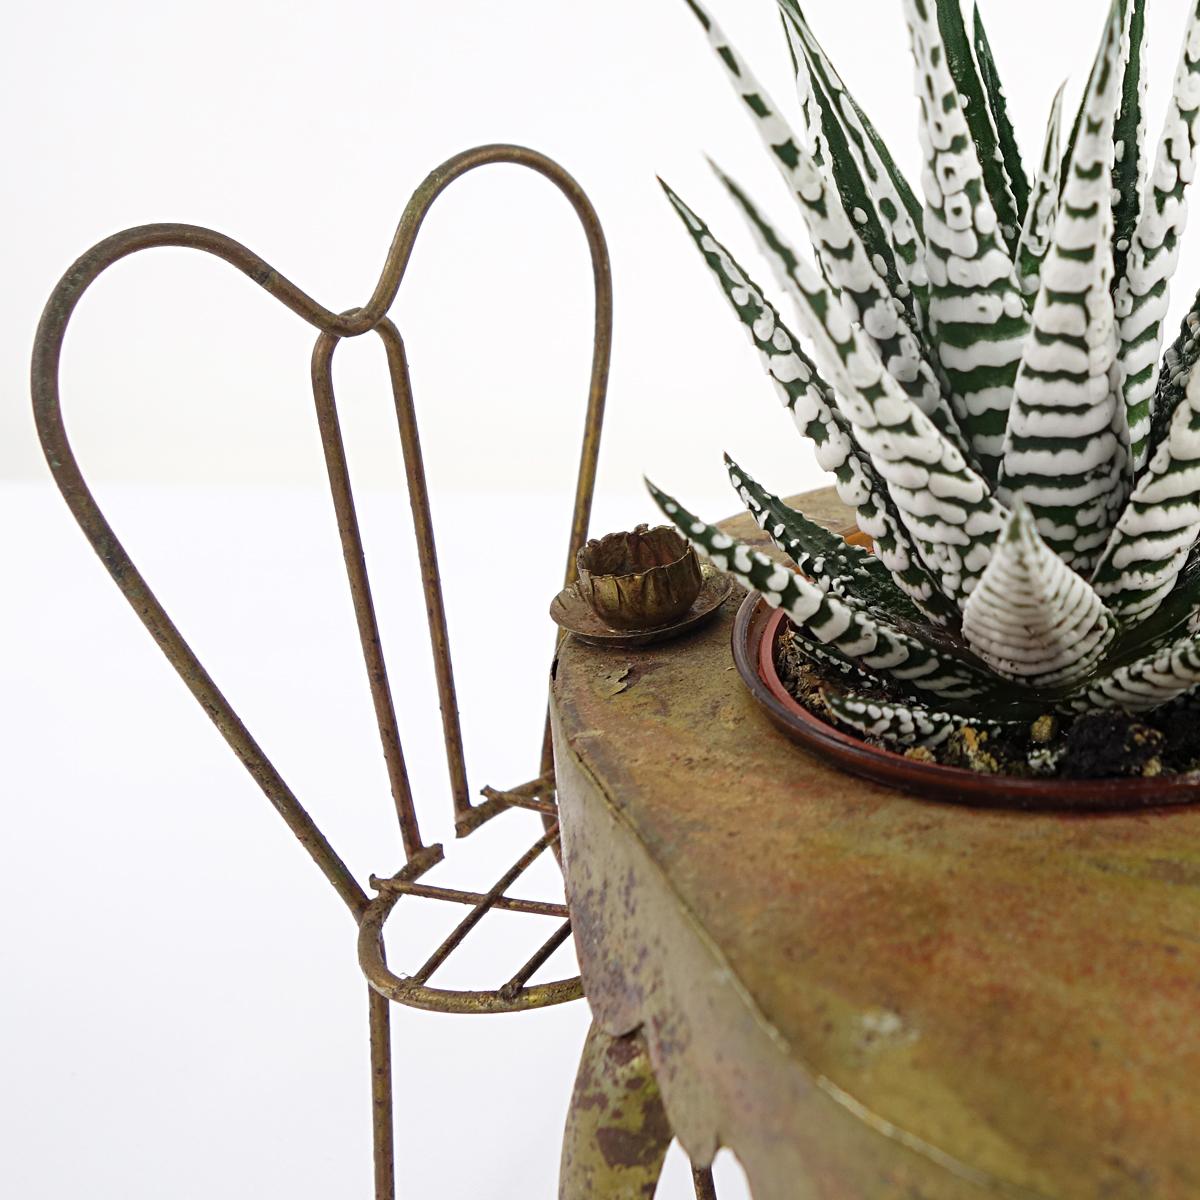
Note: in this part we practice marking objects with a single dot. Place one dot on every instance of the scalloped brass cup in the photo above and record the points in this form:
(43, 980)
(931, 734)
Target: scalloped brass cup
(641, 579)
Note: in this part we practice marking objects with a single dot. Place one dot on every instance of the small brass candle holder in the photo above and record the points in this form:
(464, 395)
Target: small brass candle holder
(639, 580)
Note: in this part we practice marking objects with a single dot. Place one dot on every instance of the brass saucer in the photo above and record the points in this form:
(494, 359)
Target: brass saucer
(570, 611)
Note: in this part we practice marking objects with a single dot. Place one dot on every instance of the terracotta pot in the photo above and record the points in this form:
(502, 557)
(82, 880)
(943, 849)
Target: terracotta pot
(757, 631)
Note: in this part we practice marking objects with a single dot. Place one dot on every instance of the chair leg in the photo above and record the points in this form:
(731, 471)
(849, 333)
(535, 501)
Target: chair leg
(617, 1133)
(381, 1096)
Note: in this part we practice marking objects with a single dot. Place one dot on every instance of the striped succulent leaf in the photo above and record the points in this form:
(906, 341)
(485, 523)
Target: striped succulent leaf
(1065, 450)
(863, 277)
(829, 561)
(976, 311)
(1144, 289)
(1032, 619)
(1159, 526)
(946, 507)
(1148, 682)
(809, 399)
(855, 635)
(865, 174)
(977, 111)
(1029, 474)
(897, 724)
(1176, 373)
(989, 73)
(1038, 230)
(923, 390)
(829, 664)
(1128, 176)
(832, 155)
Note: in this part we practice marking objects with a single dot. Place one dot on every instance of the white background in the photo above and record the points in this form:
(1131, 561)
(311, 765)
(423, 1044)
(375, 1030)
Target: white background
(181, 1014)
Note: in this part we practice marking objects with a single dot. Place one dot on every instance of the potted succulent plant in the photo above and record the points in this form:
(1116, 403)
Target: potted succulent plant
(986, 387)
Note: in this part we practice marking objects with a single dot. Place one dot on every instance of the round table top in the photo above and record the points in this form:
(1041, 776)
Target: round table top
(919, 999)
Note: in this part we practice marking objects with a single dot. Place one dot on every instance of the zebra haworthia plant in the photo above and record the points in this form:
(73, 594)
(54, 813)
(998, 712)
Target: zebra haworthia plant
(984, 384)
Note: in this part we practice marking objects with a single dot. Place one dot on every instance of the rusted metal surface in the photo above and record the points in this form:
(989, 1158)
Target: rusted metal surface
(516, 993)
(617, 1134)
(702, 1182)
(864, 994)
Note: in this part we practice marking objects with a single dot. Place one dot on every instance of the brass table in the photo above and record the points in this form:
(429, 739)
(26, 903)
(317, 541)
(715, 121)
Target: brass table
(860, 993)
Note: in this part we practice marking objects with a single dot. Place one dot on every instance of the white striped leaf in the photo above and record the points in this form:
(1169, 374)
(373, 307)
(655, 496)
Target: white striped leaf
(976, 310)
(1014, 168)
(1179, 612)
(1158, 529)
(824, 617)
(812, 405)
(924, 390)
(895, 724)
(1065, 451)
(1175, 374)
(801, 41)
(865, 174)
(1150, 681)
(832, 563)
(1144, 290)
(973, 102)
(1128, 177)
(946, 507)
(836, 235)
(1038, 231)
(826, 660)
(1031, 618)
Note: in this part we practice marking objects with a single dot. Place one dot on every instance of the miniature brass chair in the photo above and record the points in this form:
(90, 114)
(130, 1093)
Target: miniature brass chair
(371, 912)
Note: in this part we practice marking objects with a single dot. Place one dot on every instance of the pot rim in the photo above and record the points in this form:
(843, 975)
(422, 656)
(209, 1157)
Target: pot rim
(757, 629)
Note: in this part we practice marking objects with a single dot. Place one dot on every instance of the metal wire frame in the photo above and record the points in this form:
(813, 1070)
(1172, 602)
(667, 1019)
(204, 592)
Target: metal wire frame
(537, 795)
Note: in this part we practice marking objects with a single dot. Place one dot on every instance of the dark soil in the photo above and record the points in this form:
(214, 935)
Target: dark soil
(1102, 745)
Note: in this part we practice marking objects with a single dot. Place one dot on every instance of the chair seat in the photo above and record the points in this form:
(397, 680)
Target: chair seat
(859, 992)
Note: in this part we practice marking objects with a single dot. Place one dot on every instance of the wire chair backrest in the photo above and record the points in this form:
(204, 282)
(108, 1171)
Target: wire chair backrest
(333, 327)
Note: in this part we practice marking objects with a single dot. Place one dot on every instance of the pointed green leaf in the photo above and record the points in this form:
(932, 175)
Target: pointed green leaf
(1031, 618)
(826, 618)
(1144, 291)
(1175, 615)
(809, 111)
(1065, 452)
(922, 389)
(826, 661)
(875, 157)
(855, 574)
(1175, 374)
(946, 507)
(989, 73)
(894, 724)
(1148, 682)
(812, 405)
(1159, 527)
(1128, 136)
(867, 182)
(836, 235)
(973, 103)
(1038, 231)
(976, 310)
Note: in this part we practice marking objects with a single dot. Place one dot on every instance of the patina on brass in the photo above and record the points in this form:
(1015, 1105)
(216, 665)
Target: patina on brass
(617, 1134)
(538, 795)
(641, 579)
(572, 613)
